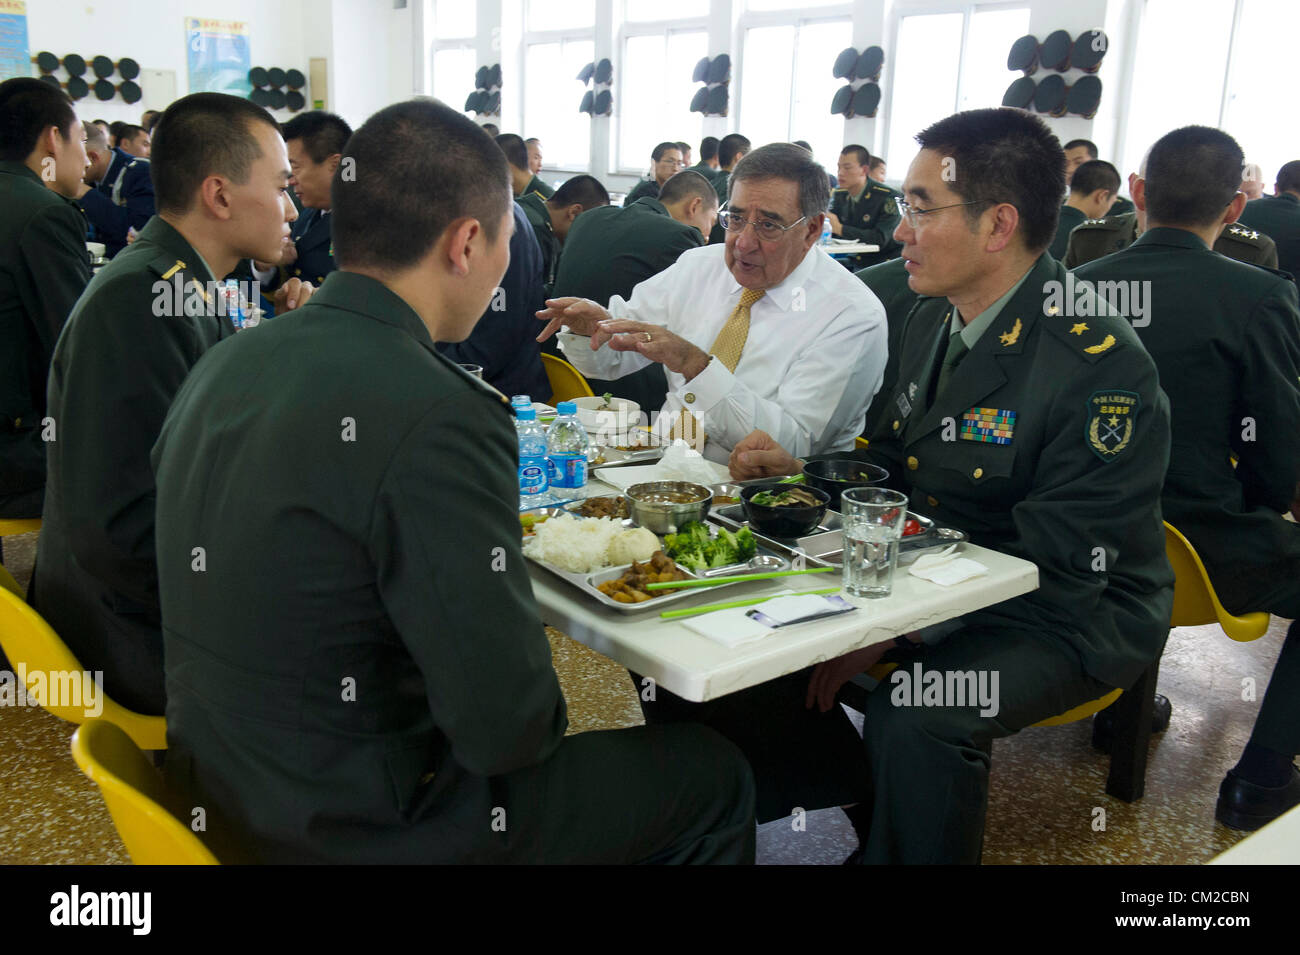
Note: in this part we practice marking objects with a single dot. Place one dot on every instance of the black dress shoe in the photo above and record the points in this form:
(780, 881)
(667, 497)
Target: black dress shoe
(1246, 806)
(1103, 724)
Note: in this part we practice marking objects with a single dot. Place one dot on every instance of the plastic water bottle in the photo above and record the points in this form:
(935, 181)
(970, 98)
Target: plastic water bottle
(826, 230)
(234, 309)
(533, 480)
(566, 448)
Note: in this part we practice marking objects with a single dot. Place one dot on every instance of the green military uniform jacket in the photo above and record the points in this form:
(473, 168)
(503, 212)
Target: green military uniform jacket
(142, 324)
(1279, 217)
(705, 170)
(1049, 443)
(870, 216)
(1228, 349)
(722, 186)
(1069, 218)
(539, 216)
(44, 266)
(1094, 238)
(888, 281)
(537, 185)
(1121, 206)
(362, 653)
(610, 249)
(645, 189)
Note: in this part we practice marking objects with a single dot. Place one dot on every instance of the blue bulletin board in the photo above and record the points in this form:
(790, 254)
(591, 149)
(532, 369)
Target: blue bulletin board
(15, 58)
(218, 56)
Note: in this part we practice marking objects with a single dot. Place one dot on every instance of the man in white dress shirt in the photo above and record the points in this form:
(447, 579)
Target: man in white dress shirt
(795, 344)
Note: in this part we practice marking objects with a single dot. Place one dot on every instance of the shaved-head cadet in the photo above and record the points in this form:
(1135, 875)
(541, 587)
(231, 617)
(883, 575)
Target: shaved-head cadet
(221, 175)
(43, 268)
(395, 698)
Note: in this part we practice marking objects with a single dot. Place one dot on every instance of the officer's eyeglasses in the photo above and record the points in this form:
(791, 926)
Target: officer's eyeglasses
(763, 228)
(915, 217)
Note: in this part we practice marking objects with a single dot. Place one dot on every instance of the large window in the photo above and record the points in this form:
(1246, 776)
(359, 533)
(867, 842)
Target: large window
(559, 14)
(454, 60)
(945, 62)
(786, 85)
(655, 91)
(1262, 85)
(551, 98)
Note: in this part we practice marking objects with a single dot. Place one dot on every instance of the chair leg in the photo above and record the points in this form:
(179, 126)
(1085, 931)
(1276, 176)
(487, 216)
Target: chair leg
(1128, 753)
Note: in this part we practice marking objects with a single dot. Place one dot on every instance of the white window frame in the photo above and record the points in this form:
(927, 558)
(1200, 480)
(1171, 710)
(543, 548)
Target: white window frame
(533, 38)
(831, 12)
(895, 25)
(664, 28)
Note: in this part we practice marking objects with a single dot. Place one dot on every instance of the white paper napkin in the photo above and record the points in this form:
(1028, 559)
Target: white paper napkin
(731, 628)
(946, 568)
(679, 463)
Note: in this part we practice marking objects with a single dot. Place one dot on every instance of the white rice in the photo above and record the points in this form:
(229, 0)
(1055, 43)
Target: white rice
(583, 544)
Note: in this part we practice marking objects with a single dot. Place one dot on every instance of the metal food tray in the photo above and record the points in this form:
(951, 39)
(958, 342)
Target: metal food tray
(825, 545)
(587, 582)
(614, 457)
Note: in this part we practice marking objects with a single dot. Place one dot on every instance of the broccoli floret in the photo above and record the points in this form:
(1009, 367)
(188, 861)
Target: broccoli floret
(746, 546)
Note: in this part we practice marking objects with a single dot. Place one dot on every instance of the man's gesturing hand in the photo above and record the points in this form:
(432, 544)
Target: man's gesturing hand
(580, 314)
(757, 456)
(655, 342)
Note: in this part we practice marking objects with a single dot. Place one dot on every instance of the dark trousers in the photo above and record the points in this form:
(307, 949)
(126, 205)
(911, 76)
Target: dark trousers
(927, 769)
(1276, 589)
(661, 794)
(801, 758)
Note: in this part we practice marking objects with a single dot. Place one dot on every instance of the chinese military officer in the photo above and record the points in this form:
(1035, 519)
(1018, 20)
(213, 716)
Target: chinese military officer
(552, 218)
(1040, 436)
(863, 209)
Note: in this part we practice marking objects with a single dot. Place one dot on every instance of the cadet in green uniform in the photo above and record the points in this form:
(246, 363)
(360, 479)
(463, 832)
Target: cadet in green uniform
(666, 161)
(1279, 216)
(1094, 238)
(142, 324)
(731, 149)
(889, 281)
(522, 179)
(552, 218)
(360, 673)
(610, 250)
(43, 268)
(862, 209)
(1227, 346)
(1038, 435)
(536, 184)
(1092, 191)
(708, 164)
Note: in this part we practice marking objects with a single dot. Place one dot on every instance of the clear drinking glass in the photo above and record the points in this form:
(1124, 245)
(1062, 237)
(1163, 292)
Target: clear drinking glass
(873, 525)
(475, 370)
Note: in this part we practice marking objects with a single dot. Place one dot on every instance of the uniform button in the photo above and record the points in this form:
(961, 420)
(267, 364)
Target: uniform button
(913, 464)
(895, 425)
(690, 397)
(319, 279)
(297, 271)
(978, 472)
(932, 501)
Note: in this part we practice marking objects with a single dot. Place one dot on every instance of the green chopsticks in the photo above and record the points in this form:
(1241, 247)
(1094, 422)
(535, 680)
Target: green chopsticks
(709, 608)
(712, 581)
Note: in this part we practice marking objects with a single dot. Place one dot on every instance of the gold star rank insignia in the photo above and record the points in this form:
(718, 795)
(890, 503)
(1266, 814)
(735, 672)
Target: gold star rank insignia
(1009, 338)
(1078, 328)
(1098, 349)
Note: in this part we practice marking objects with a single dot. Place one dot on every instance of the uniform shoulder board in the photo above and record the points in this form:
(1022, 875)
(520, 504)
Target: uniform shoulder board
(166, 266)
(1242, 234)
(838, 189)
(878, 187)
(1106, 223)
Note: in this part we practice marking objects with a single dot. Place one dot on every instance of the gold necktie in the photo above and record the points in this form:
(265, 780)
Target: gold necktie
(726, 348)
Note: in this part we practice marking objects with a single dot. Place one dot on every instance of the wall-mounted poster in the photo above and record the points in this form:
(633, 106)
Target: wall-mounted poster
(218, 55)
(15, 58)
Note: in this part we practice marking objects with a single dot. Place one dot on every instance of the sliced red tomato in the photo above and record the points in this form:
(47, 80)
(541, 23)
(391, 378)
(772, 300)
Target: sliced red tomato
(911, 527)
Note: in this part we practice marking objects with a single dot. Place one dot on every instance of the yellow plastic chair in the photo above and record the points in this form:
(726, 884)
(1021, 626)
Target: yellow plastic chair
(8, 583)
(136, 798)
(21, 525)
(1195, 602)
(566, 381)
(28, 640)
(860, 442)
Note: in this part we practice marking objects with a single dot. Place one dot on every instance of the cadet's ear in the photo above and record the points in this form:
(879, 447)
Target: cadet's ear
(572, 212)
(1137, 187)
(1006, 219)
(332, 162)
(460, 240)
(1235, 208)
(214, 197)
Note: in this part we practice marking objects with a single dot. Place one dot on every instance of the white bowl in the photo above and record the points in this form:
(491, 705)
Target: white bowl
(621, 416)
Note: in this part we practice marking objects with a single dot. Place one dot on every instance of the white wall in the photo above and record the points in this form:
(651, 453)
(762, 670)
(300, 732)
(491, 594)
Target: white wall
(152, 32)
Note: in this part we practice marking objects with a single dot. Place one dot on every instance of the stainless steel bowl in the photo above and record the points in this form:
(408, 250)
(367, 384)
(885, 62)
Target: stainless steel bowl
(652, 508)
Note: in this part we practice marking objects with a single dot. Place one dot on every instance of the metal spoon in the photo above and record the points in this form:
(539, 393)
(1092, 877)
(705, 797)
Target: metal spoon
(759, 562)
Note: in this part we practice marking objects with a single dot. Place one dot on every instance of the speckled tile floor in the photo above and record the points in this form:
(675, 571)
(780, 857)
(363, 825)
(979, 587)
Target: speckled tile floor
(1046, 782)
